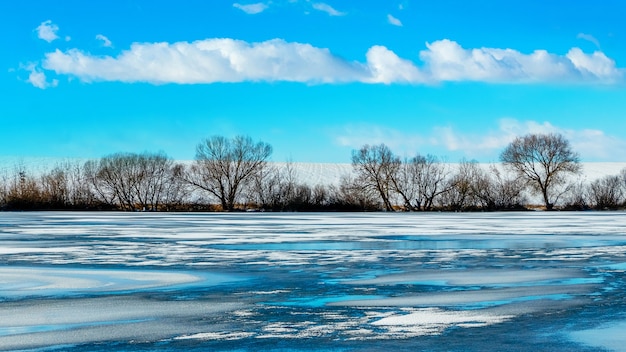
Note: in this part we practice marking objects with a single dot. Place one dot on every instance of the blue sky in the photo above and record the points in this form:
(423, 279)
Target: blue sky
(315, 79)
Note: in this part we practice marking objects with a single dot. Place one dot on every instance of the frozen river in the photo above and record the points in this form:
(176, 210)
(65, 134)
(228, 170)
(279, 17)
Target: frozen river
(531, 281)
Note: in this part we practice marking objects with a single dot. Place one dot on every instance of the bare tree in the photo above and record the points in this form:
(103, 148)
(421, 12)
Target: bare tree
(133, 181)
(223, 167)
(154, 180)
(176, 190)
(353, 195)
(499, 191)
(376, 167)
(266, 188)
(80, 193)
(420, 181)
(115, 179)
(23, 191)
(406, 183)
(278, 189)
(607, 192)
(463, 186)
(273, 188)
(577, 196)
(544, 160)
(55, 188)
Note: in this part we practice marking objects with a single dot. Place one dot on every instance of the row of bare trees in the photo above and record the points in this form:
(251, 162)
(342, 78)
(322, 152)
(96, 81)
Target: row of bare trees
(425, 183)
(234, 174)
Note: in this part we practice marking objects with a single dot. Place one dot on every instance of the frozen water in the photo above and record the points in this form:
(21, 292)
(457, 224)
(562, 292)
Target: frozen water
(420, 281)
(610, 337)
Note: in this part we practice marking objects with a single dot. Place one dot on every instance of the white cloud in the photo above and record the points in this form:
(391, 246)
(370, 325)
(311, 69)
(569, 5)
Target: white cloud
(589, 38)
(386, 67)
(394, 21)
(208, 61)
(229, 60)
(447, 61)
(251, 9)
(38, 78)
(47, 31)
(320, 6)
(105, 41)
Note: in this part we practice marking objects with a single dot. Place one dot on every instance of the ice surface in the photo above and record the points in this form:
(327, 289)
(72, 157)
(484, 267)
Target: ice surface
(104, 281)
(480, 277)
(432, 320)
(75, 321)
(55, 281)
(610, 337)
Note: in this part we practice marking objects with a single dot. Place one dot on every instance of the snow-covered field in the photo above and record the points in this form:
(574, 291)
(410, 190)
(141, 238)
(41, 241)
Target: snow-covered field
(441, 282)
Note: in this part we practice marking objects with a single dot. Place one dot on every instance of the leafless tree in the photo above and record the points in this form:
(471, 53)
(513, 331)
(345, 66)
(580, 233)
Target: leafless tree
(577, 196)
(498, 190)
(463, 186)
(273, 188)
(353, 195)
(157, 183)
(320, 196)
(376, 167)
(607, 192)
(176, 190)
(223, 167)
(406, 183)
(420, 181)
(65, 187)
(114, 178)
(134, 181)
(22, 191)
(544, 161)
(279, 189)
(55, 188)
(80, 193)
(265, 189)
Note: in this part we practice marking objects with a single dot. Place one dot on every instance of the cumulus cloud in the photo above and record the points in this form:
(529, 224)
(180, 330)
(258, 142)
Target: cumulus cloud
(394, 21)
(589, 38)
(387, 67)
(38, 78)
(229, 60)
(47, 31)
(251, 9)
(105, 41)
(209, 61)
(320, 6)
(446, 60)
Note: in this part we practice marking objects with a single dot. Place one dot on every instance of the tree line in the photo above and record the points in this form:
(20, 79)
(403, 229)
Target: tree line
(231, 174)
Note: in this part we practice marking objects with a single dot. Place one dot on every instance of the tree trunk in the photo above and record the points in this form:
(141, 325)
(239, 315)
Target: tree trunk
(549, 206)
